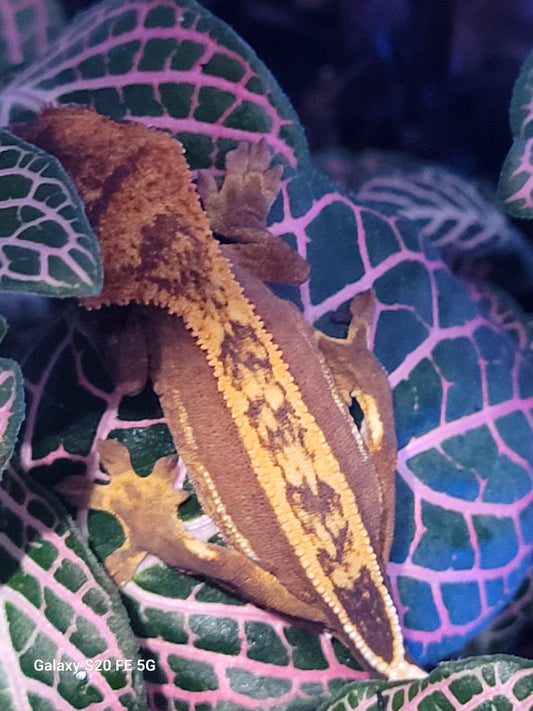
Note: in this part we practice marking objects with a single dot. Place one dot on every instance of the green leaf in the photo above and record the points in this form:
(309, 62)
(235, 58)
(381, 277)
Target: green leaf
(513, 625)
(461, 218)
(46, 243)
(499, 683)
(65, 638)
(207, 644)
(516, 181)
(449, 210)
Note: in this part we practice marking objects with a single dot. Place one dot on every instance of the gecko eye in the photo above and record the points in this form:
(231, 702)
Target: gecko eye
(357, 413)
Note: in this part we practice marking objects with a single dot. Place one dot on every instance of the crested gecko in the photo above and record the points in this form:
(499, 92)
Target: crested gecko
(256, 401)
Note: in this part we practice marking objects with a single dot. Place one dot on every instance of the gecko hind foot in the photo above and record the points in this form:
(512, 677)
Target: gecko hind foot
(238, 212)
(250, 187)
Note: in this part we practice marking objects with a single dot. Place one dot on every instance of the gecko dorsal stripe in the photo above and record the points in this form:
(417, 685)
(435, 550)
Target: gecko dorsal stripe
(294, 465)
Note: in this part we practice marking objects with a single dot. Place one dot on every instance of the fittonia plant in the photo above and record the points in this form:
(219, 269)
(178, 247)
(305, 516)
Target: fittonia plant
(458, 356)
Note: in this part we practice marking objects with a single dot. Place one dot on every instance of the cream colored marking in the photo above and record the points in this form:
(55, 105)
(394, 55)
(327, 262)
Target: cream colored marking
(200, 549)
(373, 421)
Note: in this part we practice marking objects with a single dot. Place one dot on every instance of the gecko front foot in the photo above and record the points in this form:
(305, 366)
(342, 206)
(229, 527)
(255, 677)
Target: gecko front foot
(238, 213)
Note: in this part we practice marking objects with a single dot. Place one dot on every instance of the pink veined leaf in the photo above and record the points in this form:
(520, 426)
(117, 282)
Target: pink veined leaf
(46, 243)
(11, 404)
(65, 634)
(212, 648)
(169, 64)
(27, 28)
(498, 682)
(510, 630)
(516, 180)
(450, 209)
(462, 219)
(11, 408)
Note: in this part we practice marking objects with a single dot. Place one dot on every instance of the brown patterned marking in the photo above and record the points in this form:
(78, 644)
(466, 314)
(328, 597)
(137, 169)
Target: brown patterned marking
(253, 413)
(321, 513)
(158, 243)
(277, 439)
(156, 239)
(181, 270)
(240, 351)
(108, 189)
(277, 425)
(324, 500)
(284, 415)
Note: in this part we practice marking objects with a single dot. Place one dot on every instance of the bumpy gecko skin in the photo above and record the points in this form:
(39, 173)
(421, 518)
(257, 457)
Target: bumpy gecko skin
(253, 408)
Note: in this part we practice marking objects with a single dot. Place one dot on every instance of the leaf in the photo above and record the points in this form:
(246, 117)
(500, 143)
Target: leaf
(510, 630)
(497, 683)
(11, 408)
(58, 608)
(209, 645)
(461, 218)
(461, 375)
(505, 311)
(46, 243)
(11, 404)
(449, 210)
(170, 64)
(516, 179)
(26, 28)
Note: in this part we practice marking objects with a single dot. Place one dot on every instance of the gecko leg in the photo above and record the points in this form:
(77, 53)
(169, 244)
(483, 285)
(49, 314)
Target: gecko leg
(147, 511)
(119, 339)
(238, 214)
